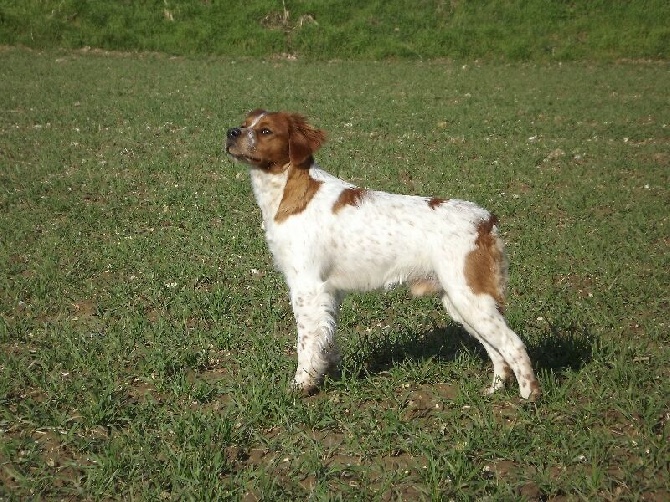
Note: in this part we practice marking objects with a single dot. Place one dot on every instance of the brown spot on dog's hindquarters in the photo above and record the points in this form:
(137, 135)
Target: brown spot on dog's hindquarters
(348, 197)
(484, 265)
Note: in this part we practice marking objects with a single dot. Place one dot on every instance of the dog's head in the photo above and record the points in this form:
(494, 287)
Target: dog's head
(272, 140)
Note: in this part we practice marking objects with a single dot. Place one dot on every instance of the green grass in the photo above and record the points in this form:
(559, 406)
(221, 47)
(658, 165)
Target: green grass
(512, 30)
(146, 343)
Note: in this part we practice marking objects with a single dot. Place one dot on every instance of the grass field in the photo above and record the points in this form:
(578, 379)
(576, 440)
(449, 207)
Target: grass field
(146, 343)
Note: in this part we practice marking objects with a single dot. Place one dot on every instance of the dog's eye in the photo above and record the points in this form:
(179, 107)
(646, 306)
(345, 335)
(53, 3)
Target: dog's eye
(265, 131)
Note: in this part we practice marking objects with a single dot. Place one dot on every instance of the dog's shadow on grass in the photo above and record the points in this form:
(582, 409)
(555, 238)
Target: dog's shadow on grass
(562, 349)
(557, 350)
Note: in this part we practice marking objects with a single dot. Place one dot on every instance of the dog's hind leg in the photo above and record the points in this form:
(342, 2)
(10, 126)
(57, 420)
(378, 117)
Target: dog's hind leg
(481, 318)
(316, 314)
(501, 370)
(474, 293)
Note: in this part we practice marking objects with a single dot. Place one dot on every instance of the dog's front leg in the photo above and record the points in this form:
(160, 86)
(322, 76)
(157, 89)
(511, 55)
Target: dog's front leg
(316, 313)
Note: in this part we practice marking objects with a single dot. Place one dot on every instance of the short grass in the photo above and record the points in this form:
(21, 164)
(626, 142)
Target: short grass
(146, 344)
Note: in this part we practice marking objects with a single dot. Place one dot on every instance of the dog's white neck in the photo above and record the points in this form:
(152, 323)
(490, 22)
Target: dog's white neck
(269, 190)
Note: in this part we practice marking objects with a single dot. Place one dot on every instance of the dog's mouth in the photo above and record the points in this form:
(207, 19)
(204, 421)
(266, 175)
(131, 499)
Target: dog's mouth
(242, 157)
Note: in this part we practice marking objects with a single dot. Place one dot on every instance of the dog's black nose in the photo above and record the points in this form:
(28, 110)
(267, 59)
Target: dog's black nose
(233, 133)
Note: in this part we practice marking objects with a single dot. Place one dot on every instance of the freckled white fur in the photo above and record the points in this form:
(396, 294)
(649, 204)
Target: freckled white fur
(384, 240)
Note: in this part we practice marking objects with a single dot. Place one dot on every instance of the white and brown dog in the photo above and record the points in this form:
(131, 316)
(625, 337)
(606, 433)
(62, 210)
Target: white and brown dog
(328, 237)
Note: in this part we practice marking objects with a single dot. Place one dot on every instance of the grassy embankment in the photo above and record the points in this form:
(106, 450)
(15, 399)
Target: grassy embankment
(510, 30)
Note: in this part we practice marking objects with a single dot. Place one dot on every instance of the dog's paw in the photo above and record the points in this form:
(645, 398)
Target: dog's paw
(305, 384)
(535, 394)
(531, 391)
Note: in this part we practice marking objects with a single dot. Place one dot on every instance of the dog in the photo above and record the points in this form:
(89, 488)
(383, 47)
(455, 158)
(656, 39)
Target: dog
(329, 237)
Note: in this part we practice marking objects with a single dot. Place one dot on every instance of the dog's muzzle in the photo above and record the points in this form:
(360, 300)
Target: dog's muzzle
(232, 135)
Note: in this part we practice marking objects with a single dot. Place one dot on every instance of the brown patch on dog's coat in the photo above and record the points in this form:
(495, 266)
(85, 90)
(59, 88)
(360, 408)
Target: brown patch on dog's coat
(299, 190)
(423, 287)
(303, 140)
(484, 264)
(436, 201)
(349, 197)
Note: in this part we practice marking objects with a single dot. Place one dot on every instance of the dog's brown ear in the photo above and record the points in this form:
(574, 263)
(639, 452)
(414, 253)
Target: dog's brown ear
(303, 140)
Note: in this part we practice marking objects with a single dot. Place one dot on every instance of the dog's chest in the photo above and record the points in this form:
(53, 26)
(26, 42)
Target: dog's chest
(268, 191)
